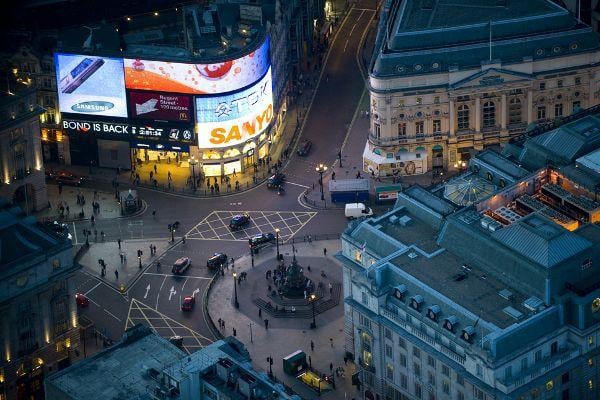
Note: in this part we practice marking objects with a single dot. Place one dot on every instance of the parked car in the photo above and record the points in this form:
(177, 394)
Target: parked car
(67, 178)
(275, 180)
(238, 221)
(82, 300)
(263, 238)
(304, 148)
(181, 265)
(188, 303)
(177, 341)
(217, 260)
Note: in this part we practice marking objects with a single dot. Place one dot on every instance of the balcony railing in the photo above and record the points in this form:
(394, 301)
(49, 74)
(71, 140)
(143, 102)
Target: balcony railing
(365, 366)
(406, 139)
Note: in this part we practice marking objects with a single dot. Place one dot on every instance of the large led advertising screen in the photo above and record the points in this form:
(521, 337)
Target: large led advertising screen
(90, 85)
(163, 106)
(234, 118)
(228, 76)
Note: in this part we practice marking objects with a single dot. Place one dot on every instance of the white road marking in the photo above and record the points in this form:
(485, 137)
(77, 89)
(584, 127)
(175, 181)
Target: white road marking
(75, 233)
(93, 302)
(345, 45)
(147, 290)
(95, 286)
(179, 276)
(112, 315)
(297, 184)
(195, 292)
(159, 290)
(172, 292)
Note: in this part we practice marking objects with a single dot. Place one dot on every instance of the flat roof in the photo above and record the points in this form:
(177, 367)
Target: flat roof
(591, 161)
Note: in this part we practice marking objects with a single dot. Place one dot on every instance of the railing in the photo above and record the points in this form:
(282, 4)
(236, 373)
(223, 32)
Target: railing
(406, 139)
(366, 367)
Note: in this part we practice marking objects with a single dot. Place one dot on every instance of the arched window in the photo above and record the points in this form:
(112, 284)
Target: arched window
(514, 111)
(463, 117)
(489, 114)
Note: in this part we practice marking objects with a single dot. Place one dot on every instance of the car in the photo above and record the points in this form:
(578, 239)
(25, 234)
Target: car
(181, 265)
(217, 260)
(304, 148)
(67, 178)
(238, 221)
(188, 303)
(263, 238)
(82, 300)
(177, 341)
(275, 180)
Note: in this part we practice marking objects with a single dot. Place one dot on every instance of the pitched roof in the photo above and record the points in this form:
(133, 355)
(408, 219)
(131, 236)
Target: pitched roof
(541, 240)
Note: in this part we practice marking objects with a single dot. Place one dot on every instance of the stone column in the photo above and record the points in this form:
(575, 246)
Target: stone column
(477, 114)
(452, 118)
(503, 110)
(529, 106)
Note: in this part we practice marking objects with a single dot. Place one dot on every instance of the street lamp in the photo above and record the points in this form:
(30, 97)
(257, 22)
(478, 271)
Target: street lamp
(313, 300)
(236, 303)
(321, 170)
(277, 241)
(193, 162)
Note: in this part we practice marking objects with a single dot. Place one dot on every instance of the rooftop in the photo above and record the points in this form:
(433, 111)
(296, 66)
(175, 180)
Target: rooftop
(123, 371)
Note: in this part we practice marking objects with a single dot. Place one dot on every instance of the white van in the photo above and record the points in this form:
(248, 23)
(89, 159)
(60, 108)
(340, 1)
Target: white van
(357, 210)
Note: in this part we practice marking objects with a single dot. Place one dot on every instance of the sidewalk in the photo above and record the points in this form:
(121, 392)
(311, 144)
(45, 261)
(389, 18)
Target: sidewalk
(286, 335)
(129, 270)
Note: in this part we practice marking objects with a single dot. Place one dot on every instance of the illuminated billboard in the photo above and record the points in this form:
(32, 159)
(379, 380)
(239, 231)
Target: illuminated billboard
(91, 85)
(164, 106)
(232, 119)
(227, 76)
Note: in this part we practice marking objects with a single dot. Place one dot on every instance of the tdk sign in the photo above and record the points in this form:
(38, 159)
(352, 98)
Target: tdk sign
(92, 106)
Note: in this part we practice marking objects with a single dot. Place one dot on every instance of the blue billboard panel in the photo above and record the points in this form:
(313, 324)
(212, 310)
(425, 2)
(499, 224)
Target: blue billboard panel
(91, 85)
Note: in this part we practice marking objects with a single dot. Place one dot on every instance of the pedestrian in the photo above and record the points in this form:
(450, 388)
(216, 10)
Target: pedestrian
(223, 322)
(169, 176)
(155, 169)
(154, 214)
(116, 274)
(330, 288)
(308, 268)
(119, 243)
(220, 321)
(234, 174)
(333, 176)
(309, 361)
(331, 367)
(325, 251)
(331, 341)
(121, 255)
(93, 220)
(305, 295)
(151, 250)
(232, 262)
(125, 258)
(102, 235)
(234, 332)
(345, 360)
(312, 346)
(266, 324)
(151, 174)
(260, 313)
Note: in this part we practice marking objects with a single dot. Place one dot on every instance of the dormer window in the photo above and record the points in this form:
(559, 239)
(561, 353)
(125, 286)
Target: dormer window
(416, 301)
(468, 333)
(433, 312)
(399, 292)
(450, 323)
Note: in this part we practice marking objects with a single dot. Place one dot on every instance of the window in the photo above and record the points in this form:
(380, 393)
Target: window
(489, 114)
(524, 364)
(417, 369)
(578, 81)
(446, 386)
(403, 359)
(479, 370)
(586, 264)
(401, 342)
(430, 361)
(564, 378)
(542, 85)
(390, 371)
(364, 298)
(590, 384)
(558, 110)
(559, 83)
(389, 352)
(478, 393)
(590, 362)
(514, 111)
(535, 393)
(463, 117)
(430, 378)
(541, 112)
(388, 334)
(460, 396)
(590, 340)
(431, 396)
(437, 126)
(550, 385)
(403, 381)
(436, 100)
(538, 356)
(565, 394)
(418, 391)
(419, 101)
(576, 106)
(419, 127)
(401, 103)
(402, 129)
(445, 370)
(377, 130)
(460, 380)
(508, 372)
(554, 348)
(416, 352)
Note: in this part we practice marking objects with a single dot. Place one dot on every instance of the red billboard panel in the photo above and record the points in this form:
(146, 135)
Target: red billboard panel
(165, 106)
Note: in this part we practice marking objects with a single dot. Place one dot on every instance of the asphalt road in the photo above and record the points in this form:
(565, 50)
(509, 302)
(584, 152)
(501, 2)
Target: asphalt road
(155, 297)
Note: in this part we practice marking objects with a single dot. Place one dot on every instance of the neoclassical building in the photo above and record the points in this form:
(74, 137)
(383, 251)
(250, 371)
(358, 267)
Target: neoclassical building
(448, 79)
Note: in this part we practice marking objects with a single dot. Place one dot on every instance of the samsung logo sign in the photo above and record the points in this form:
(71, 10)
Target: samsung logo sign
(92, 106)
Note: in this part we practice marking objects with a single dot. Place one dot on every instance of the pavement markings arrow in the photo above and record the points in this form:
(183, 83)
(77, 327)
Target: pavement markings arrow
(147, 290)
(172, 292)
(196, 291)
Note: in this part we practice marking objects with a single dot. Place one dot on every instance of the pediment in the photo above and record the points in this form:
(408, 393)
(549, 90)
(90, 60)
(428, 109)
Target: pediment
(491, 77)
